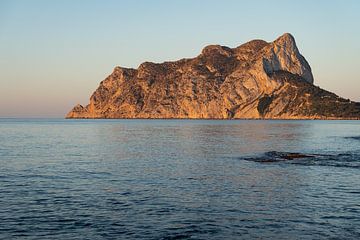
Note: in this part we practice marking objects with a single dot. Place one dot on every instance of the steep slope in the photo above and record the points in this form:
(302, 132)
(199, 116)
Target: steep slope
(255, 80)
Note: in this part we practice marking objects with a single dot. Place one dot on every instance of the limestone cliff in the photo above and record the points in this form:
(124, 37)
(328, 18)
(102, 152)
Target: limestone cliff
(255, 80)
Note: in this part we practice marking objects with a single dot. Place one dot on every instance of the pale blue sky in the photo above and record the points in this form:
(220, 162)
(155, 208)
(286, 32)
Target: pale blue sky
(53, 54)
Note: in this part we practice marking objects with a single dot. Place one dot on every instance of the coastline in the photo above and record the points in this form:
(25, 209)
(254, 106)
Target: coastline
(219, 119)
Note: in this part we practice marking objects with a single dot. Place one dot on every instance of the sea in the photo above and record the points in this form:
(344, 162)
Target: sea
(179, 179)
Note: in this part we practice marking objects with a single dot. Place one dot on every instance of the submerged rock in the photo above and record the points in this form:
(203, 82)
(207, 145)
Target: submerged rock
(255, 80)
(345, 159)
(275, 156)
(354, 137)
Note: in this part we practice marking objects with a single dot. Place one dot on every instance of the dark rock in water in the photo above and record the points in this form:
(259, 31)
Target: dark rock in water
(354, 137)
(349, 160)
(275, 156)
(291, 156)
(258, 79)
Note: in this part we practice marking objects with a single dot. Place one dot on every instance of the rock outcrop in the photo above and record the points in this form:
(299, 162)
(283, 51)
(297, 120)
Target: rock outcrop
(255, 80)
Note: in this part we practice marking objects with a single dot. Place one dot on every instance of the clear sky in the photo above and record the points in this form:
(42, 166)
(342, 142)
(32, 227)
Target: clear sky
(53, 54)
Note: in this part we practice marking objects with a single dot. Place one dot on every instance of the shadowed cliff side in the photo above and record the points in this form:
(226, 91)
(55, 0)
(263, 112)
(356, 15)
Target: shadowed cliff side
(255, 80)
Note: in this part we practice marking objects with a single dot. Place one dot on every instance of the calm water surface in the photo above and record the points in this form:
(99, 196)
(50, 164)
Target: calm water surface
(178, 179)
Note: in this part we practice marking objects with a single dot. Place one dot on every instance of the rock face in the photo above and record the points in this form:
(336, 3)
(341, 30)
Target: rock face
(255, 80)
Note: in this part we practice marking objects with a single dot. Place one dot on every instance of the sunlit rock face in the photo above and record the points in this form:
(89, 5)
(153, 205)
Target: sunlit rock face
(284, 55)
(255, 80)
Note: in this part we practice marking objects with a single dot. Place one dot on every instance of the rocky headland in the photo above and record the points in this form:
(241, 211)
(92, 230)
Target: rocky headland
(258, 79)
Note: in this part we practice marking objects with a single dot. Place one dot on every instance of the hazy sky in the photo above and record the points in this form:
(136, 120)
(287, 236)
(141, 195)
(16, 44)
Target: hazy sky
(53, 54)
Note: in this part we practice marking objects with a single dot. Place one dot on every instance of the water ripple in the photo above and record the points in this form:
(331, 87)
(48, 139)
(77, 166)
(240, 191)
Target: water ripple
(138, 179)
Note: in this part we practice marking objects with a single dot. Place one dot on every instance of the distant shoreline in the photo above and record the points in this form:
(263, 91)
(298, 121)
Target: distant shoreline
(218, 119)
(186, 119)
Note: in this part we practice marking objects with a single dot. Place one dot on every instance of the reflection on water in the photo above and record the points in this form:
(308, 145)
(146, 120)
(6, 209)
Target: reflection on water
(162, 179)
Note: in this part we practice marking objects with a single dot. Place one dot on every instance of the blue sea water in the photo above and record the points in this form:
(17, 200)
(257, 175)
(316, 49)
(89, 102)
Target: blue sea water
(179, 179)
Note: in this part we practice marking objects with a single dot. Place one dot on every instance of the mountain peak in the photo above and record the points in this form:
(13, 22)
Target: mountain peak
(286, 37)
(283, 55)
(287, 41)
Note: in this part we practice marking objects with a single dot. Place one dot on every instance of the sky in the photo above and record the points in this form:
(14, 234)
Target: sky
(53, 54)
